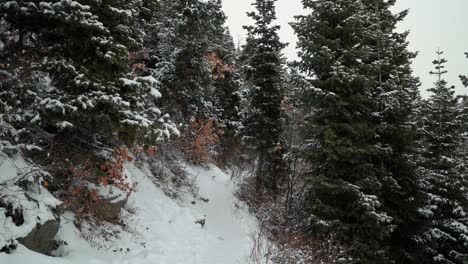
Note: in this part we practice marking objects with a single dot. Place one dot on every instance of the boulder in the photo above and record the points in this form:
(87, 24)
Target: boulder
(110, 210)
(41, 238)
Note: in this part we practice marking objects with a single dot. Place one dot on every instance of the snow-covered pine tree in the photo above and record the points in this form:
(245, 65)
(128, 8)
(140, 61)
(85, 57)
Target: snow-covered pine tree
(227, 81)
(263, 68)
(188, 33)
(67, 66)
(445, 240)
(194, 59)
(388, 63)
(346, 180)
(222, 57)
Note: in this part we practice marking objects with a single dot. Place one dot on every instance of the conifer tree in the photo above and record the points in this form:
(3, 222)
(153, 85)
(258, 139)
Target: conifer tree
(191, 30)
(222, 58)
(75, 70)
(445, 239)
(346, 180)
(227, 82)
(364, 147)
(263, 67)
(396, 94)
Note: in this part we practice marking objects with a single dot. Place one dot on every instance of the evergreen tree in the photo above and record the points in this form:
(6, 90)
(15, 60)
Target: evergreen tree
(227, 81)
(227, 78)
(364, 186)
(396, 94)
(190, 31)
(68, 67)
(445, 240)
(346, 181)
(225, 73)
(263, 69)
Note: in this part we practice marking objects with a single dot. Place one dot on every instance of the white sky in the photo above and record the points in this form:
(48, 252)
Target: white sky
(433, 24)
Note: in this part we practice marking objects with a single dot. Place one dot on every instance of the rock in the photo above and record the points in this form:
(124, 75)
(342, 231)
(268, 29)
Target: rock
(110, 211)
(41, 238)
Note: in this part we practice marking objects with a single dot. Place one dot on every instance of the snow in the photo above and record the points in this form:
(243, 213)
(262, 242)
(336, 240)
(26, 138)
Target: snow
(108, 192)
(457, 225)
(121, 11)
(36, 118)
(10, 4)
(8, 169)
(35, 203)
(45, 5)
(227, 219)
(64, 124)
(155, 93)
(129, 82)
(163, 230)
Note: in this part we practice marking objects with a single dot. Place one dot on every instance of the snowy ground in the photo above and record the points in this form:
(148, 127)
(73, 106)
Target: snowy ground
(162, 230)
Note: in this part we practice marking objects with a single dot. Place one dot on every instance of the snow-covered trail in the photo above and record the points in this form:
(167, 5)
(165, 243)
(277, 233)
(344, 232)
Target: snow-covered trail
(164, 231)
(226, 218)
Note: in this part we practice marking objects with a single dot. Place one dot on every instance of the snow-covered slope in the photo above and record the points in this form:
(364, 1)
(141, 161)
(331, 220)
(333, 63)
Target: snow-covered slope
(35, 202)
(162, 230)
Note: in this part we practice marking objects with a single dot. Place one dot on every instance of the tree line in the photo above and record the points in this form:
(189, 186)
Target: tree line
(381, 168)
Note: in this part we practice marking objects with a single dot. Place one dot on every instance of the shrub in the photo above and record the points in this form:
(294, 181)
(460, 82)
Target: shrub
(204, 141)
(83, 196)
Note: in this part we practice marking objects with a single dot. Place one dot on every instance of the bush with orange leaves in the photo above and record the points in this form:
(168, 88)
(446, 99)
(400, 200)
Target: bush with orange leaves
(83, 196)
(112, 171)
(204, 141)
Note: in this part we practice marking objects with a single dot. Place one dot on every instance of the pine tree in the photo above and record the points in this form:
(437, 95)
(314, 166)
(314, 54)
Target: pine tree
(225, 73)
(68, 67)
(446, 237)
(263, 66)
(346, 181)
(396, 94)
(365, 186)
(227, 82)
(190, 31)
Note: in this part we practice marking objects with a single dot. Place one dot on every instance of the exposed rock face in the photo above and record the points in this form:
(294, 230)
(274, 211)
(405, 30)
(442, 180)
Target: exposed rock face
(41, 238)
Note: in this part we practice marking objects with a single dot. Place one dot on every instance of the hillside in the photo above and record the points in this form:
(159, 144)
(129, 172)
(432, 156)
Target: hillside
(159, 229)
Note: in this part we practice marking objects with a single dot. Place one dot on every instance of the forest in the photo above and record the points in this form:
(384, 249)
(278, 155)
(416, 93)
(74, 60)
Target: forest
(140, 131)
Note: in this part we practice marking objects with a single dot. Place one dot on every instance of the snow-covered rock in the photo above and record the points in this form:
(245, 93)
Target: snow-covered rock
(26, 207)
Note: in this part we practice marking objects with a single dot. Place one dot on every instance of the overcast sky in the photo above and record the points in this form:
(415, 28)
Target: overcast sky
(433, 24)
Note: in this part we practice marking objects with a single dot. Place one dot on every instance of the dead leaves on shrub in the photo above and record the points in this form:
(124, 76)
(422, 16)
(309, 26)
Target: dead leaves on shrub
(85, 201)
(205, 139)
